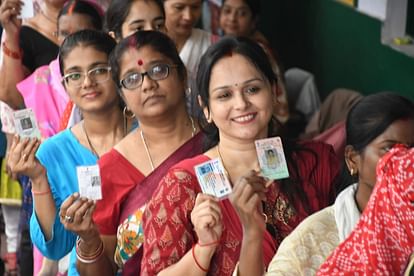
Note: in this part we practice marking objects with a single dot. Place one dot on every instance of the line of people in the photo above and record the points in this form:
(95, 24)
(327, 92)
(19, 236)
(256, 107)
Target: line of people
(151, 98)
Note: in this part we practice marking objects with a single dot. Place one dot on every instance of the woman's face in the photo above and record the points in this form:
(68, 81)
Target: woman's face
(399, 132)
(241, 99)
(181, 16)
(152, 97)
(94, 93)
(71, 23)
(143, 15)
(236, 18)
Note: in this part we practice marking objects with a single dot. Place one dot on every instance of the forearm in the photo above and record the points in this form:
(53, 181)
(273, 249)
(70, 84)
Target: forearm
(44, 205)
(251, 257)
(12, 72)
(188, 263)
(104, 264)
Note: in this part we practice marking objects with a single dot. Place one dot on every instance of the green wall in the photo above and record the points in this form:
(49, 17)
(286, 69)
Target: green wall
(341, 46)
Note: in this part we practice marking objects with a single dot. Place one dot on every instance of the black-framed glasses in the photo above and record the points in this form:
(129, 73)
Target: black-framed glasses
(134, 80)
(98, 75)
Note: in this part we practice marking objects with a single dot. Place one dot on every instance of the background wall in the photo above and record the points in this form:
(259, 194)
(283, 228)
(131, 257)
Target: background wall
(341, 46)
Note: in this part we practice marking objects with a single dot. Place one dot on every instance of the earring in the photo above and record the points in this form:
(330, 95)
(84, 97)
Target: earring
(128, 113)
(353, 172)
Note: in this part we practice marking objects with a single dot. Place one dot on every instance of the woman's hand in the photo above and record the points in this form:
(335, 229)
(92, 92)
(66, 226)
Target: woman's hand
(76, 216)
(9, 10)
(247, 196)
(22, 160)
(206, 218)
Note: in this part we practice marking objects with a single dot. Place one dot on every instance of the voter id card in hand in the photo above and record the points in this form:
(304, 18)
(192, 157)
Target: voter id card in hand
(271, 158)
(89, 181)
(212, 178)
(25, 124)
(27, 10)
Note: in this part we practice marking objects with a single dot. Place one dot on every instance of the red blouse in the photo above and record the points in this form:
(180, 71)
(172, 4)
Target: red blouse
(118, 177)
(169, 233)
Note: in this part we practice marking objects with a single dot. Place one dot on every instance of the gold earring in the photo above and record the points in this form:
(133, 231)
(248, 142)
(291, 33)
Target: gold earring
(353, 173)
(128, 113)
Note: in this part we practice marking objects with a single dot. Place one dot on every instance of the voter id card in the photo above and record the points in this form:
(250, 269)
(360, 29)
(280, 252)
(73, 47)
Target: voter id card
(89, 181)
(25, 123)
(212, 178)
(271, 158)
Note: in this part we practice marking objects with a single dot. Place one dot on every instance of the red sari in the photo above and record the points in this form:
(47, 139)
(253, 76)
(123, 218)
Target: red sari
(169, 233)
(383, 240)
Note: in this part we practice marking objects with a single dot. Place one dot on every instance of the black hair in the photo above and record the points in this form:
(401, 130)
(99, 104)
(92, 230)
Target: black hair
(254, 6)
(368, 119)
(99, 40)
(158, 41)
(255, 54)
(118, 11)
(84, 8)
(226, 46)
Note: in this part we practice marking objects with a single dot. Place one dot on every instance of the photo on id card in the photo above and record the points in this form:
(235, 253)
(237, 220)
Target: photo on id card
(25, 123)
(89, 181)
(212, 178)
(271, 158)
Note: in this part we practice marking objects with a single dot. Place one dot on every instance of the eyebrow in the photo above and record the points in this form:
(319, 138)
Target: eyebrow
(95, 64)
(243, 83)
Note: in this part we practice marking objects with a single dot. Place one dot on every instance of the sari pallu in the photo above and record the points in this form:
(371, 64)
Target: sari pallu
(383, 240)
(43, 92)
(130, 237)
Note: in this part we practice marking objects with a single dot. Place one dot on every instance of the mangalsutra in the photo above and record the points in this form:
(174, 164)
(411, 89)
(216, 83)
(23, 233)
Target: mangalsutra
(193, 132)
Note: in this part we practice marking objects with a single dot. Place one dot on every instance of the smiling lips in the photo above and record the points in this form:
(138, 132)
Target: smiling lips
(244, 119)
(91, 95)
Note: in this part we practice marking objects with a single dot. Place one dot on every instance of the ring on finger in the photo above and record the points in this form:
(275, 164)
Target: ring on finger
(68, 219)
(24, 156)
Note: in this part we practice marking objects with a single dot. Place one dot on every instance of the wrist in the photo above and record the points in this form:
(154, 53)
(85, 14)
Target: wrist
(11, 50)
(39, 181)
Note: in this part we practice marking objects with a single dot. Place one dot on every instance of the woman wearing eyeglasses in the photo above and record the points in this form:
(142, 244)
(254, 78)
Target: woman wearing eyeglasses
(152, 81)
(52, 165)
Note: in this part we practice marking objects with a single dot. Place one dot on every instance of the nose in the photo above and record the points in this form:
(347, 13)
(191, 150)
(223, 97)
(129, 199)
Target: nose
(187, 14)
(233, 16)
(148, 84)
(241, 102)
(87, 81)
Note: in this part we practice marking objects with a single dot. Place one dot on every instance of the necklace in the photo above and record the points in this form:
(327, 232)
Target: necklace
(89, 140)
(193, 131)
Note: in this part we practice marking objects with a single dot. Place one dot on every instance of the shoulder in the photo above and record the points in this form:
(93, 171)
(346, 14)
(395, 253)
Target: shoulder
(306, 248)
(57, 141)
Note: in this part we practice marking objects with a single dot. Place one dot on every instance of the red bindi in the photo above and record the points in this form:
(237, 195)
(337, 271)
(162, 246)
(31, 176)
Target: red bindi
(140, 62)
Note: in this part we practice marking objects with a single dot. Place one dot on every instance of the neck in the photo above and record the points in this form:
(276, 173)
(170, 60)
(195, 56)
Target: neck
(179, 39)
(99, 124)
(50, 11)
(362, 196)
(165, 128)
(238, 157)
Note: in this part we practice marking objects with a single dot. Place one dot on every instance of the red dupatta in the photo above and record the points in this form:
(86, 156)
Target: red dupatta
(141, 193)
(383, 239)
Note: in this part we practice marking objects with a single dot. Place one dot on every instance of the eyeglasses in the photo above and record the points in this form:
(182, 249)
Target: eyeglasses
(157, 72)
(97, 75)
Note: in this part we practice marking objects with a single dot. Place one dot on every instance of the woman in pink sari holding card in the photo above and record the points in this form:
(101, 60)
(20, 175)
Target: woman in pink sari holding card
(190, 233)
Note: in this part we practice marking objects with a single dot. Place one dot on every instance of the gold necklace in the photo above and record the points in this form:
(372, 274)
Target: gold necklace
(144, 142)
(89, 140)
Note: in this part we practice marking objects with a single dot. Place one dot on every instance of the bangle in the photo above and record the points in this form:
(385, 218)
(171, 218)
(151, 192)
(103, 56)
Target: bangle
(91, 258)
(11, 53)
(209, 244)
(34, 192)
(195, 259)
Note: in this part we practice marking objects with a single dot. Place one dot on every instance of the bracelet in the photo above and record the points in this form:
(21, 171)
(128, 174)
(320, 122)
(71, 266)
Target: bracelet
(11, 53)
(209, 244)
(91, 258)
(34, 192)
(195, 259)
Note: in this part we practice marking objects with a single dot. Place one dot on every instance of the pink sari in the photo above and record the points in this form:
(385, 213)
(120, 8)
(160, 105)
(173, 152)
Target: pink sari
(44, 93)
